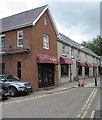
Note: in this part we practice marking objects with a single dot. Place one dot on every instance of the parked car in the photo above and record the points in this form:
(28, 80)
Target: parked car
(4, 91)
(16, 86)
(81, 83)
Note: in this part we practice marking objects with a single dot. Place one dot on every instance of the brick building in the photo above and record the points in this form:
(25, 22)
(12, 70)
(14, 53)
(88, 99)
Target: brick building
(33, 50)
(29, 47)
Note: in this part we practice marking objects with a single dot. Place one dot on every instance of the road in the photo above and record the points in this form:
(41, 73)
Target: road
(72, 103)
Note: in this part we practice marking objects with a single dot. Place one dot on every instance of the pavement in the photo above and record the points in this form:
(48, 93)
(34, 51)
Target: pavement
(89, 82)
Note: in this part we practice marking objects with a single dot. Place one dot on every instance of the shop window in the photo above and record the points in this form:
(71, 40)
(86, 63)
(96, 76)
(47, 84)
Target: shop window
(45, 41)
(20, 39)
(63, 49)
(2, 43)
(64, 69)
(87, 71)
(79, 70)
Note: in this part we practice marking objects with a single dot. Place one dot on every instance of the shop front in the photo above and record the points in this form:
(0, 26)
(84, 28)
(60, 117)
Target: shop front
(88, 69)
(65, 73)
(94, 70)
(81, 68)
(46, 70)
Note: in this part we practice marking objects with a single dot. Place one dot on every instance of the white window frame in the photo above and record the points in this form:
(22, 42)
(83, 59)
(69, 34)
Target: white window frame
(63, 49)
(18, 38)
(46, 42)
(2, 50)
(72, 52)
(45, 20)
(78, 54)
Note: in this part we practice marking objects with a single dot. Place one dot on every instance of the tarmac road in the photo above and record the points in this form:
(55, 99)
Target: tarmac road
(71, 103)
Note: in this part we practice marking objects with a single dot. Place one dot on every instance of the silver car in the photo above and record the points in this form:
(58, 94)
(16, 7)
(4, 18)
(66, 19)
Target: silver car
(16, 86)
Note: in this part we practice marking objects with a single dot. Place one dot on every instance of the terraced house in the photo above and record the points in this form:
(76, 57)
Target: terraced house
(76, 60)
(34, 50)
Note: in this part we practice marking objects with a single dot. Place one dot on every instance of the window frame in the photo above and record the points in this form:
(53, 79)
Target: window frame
(80, 70)
(46, 42)
(78, 54)
(72, 52)
(45, 20)
(2, 48)
(63, 49)
(63, 68)
(20, 38)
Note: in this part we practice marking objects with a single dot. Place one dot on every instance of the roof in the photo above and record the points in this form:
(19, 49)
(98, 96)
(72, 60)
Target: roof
(23, 19)
(73, 43)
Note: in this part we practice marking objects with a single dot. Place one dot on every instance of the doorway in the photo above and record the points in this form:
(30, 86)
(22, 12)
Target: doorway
(46, 75)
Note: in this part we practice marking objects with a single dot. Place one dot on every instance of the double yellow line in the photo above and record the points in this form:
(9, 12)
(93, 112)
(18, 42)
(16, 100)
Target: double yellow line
(87, 104)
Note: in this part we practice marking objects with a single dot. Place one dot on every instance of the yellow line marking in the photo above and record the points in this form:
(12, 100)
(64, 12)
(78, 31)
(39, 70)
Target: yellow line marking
(88, 102)
(36, 97)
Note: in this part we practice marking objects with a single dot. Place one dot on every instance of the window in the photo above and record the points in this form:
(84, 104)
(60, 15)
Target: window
(45, 41)
(2, 43)
(87, 71)
(85, 57)
(2, 68)
(20, 39)
(19, 69)
(45, 20)
(63, 49)
(64, 70)
(72, 52)
(79, 70)
(78, 54)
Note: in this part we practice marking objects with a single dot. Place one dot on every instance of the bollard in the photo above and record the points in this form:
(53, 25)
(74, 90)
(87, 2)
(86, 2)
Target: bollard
(95, 81)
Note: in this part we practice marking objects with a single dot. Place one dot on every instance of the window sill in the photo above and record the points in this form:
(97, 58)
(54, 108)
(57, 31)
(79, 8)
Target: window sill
(65, 76)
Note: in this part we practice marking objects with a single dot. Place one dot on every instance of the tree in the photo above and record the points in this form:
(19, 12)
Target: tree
(95, 45)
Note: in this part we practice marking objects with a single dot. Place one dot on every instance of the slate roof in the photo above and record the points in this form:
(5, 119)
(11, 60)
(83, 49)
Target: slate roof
(73, 43)
(22, 19)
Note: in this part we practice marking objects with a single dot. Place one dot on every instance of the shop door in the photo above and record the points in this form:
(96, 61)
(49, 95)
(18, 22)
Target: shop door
(46, 75)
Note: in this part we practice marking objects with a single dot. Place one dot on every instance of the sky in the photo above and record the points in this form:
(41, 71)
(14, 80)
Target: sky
(78, 20)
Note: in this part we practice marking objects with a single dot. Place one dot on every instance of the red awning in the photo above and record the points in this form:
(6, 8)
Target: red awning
(94, 66)
(66, 61)
(81, 63)
(42, 58)
(89, 65)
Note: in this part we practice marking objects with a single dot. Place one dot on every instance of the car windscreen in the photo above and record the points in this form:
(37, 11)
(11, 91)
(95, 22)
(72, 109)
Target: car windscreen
(11, 78)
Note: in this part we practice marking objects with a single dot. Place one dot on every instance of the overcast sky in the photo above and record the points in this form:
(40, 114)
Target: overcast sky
(78, 20)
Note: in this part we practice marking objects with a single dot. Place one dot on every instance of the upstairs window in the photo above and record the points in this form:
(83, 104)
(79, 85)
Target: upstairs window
(63, 49)
(45, 20)
(78, 54)
(72, 52)
(2, 43)
(45, 41)
(20, 39)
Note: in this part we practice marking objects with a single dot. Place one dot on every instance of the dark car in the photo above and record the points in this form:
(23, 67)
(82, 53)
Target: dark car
(4, 91)
(16, 86)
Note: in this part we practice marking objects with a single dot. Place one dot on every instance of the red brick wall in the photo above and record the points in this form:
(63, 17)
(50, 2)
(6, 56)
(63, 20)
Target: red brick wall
(29, 60)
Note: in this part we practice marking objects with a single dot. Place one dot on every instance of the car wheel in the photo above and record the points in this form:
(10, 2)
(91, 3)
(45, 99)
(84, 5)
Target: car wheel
(13, 92)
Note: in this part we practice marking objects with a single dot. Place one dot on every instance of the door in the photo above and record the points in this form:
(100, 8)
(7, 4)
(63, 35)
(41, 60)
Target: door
(46, 75)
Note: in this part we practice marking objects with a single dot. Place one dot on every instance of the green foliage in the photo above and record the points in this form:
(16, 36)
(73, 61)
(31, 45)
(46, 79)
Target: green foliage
(95, 45)
(76, 78)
